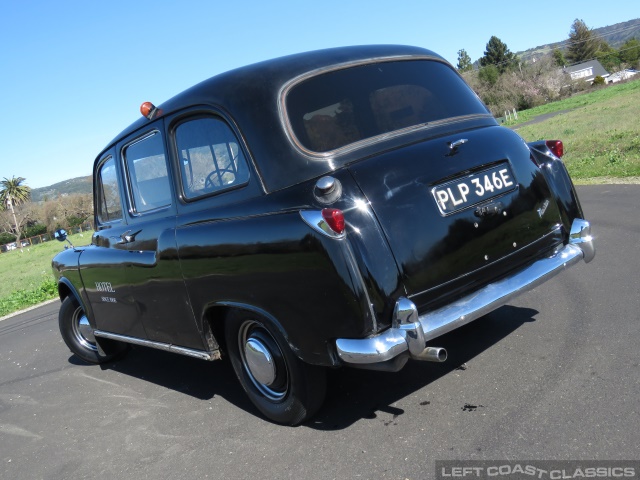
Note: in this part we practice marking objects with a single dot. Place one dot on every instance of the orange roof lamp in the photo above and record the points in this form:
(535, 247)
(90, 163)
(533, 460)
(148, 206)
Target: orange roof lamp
(150, 111)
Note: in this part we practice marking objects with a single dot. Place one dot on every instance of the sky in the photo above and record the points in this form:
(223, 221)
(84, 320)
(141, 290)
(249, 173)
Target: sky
(74, 73)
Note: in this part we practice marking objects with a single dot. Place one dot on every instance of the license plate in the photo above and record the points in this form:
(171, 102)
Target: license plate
(464, 192)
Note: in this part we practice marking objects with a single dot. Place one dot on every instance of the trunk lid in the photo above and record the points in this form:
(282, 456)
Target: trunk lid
(459, 210)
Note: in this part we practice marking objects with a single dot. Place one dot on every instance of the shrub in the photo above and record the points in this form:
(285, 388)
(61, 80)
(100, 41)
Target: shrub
(7, 238)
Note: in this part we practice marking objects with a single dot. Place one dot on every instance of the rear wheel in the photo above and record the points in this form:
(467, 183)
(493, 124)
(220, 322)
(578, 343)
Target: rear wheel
(77, 333)
(285, 389)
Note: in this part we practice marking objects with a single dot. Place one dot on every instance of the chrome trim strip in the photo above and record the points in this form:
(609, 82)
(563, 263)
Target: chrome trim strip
(408, 335)
(167, 347)
(284, 116)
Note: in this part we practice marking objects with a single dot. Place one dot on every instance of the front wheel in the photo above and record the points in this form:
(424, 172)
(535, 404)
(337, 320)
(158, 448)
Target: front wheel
(285, 389)
(77, 333)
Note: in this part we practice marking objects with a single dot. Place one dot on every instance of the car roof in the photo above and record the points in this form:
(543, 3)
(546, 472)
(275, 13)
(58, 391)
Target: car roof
(250, 96)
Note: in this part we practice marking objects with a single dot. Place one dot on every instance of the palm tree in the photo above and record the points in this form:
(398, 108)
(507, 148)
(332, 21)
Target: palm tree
(13, 192)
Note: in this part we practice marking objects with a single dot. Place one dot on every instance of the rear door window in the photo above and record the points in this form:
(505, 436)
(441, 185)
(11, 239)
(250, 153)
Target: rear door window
(210, 157)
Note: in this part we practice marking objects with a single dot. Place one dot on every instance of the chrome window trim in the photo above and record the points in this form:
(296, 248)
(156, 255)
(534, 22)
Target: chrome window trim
(288, 129)
(127, 177)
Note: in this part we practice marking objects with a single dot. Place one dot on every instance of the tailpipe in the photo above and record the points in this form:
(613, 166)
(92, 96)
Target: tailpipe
(432, 354)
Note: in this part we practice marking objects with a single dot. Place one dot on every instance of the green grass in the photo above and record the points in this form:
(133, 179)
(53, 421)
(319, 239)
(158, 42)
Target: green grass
(26, 274)
(601, 132)
(597, 96)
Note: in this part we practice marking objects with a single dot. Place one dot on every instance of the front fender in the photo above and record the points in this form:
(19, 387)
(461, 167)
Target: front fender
(65, 266)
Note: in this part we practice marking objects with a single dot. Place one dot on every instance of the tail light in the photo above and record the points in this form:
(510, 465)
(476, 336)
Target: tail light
(556, 147)
(334, 218)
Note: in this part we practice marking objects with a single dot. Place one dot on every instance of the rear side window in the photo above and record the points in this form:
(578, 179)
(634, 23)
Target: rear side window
(335, 109)
(147, 171)
(210, 156)
(109, 206)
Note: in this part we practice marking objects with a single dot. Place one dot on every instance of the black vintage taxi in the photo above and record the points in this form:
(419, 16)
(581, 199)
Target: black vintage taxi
(344, 207)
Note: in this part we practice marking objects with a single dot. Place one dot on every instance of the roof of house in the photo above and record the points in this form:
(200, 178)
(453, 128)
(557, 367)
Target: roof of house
(595, 65)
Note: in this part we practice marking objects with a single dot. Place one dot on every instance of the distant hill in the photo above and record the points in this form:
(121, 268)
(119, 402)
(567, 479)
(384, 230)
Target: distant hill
(615, 35)
(67, 187)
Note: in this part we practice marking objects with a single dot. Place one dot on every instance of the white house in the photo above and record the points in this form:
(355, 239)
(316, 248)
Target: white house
(587, 71)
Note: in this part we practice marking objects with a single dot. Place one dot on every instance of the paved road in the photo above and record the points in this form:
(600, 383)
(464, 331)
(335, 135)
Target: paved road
(554, 376)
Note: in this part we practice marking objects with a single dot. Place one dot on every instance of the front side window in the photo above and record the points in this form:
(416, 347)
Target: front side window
(109, 206)
(210, 157)
(147, 171)
(338, 108)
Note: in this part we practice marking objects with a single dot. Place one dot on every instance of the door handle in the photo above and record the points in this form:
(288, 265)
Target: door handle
(127, 237)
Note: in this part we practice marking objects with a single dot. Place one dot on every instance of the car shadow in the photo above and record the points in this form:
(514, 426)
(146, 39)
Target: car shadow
(190, 376)
(352, 394)
(355, 394)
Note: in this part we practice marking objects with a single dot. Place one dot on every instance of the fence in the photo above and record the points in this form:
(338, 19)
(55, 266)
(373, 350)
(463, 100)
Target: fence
(45, 237)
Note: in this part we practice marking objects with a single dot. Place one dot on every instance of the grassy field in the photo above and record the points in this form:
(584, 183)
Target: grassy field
(600, 131)
(26, 274)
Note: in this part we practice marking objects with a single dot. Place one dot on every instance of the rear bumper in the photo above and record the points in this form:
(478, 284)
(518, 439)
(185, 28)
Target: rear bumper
(410, 332)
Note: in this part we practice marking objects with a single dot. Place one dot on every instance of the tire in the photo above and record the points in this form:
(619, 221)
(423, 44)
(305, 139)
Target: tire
(284, 388)
(78, 335)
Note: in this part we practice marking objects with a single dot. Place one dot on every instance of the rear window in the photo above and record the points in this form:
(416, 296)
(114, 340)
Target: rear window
(335, 109)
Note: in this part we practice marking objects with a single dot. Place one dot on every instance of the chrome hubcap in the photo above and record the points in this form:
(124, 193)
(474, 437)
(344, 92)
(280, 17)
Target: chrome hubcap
(259, 361)
(82, 330)
(263, 361)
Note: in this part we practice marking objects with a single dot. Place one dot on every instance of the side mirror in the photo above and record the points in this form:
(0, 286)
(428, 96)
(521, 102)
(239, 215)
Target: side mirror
(60, 234)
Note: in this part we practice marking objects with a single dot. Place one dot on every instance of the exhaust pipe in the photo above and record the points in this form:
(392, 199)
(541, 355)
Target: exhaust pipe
(432, 354)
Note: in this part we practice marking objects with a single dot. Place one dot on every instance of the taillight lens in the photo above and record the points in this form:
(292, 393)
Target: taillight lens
(556, 147)
(334, 218)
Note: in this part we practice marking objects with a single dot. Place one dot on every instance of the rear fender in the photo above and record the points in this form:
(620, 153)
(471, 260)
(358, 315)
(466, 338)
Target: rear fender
(560, 184)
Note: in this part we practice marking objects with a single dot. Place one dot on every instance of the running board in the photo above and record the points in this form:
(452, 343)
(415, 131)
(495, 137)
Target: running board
(167, 347)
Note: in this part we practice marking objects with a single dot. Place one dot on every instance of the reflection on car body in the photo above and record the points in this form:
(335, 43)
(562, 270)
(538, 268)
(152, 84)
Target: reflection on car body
(344, 207)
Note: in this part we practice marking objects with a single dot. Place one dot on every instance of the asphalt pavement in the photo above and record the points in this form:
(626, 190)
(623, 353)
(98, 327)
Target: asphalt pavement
(553, 376)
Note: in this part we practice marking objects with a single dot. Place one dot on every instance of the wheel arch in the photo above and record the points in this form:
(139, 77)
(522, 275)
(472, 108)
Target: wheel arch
(66, 289)
(215, 315)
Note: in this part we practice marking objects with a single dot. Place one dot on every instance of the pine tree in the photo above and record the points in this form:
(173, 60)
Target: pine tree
(583, 45)
(498, 54)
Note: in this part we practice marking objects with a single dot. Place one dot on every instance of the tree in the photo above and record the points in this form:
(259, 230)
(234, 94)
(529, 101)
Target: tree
(558, 57)
(12, 194)
(464, 61)
(66, 211)
(583, 45)
(630, 52)
(609, 57)
(14, 222)
(489, 75)
(498, 54)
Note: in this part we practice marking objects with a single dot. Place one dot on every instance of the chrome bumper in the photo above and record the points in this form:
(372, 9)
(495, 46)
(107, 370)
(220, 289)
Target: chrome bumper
(410, 332)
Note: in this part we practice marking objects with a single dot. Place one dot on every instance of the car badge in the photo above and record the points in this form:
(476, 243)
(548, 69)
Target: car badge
(493, 208)
(543, 208)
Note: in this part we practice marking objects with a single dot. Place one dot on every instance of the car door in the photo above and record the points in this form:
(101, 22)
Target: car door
(156, 285)
(105, 266)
